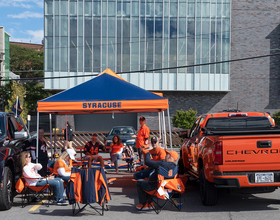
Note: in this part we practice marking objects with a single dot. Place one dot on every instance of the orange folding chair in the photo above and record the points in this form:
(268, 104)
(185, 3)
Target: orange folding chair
(169, 188)
(31, 193)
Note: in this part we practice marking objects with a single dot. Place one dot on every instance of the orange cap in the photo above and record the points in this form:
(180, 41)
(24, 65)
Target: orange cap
(173, 154)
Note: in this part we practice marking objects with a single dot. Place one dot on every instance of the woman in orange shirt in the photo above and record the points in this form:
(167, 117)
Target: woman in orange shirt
(115, 150)
(63, 166)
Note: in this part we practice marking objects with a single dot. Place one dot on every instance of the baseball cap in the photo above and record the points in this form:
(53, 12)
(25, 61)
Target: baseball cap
(173, 154)
(71, 153)
(154, 139)
(142, 118)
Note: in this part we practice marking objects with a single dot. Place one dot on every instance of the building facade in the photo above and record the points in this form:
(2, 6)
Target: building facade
(84, 37)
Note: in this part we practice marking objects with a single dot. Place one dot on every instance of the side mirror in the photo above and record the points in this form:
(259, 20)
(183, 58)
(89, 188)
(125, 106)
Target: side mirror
(20, 135)
(183, 134)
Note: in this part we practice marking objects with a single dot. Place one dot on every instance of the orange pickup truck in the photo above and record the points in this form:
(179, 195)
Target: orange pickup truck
(234, 149)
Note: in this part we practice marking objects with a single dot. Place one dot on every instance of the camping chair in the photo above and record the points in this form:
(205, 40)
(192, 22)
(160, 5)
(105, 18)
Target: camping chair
(88, 186)
(29, 193)
(169, 189)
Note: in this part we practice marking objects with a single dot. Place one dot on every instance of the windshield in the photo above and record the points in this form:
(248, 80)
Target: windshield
(122, 131)
(238, 122)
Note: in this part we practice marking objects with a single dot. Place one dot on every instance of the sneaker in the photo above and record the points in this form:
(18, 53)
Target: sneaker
(145, 208)
(105, 170)
(151, 206)
(61, 202)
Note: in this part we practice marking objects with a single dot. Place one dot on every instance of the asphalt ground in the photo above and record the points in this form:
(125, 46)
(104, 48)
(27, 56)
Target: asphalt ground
(124, 198)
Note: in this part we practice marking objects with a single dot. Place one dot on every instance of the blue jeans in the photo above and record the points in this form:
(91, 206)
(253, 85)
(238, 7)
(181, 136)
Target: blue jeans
(64, 178)
(56, 184)
(148, 186)
(142, 174)
(114, 159)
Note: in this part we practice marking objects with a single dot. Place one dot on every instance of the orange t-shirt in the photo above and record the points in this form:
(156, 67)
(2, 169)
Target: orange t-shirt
(158, 154)
(142, 136)
(116, 148)
(61, 164)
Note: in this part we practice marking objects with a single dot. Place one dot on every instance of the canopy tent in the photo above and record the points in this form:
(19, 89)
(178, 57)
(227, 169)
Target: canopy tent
(106, 93)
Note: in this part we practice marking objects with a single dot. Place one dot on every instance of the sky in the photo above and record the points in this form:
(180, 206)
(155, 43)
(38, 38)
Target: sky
(23, 20)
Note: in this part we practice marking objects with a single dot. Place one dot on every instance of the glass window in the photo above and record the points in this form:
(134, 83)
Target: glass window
(104, 8)
(88, 8)
(64, 7)
(182, 9)
(126, 9)
(73, 54)
(226, 10)
(80, 8)
(49, 53)
(166, 9)
(173, 9)
(135, 8)
(205, 10)
(73, 8)
(111, 27)
(135, 27)
(191, 9)
(142, 8)
(48, 7)
(49, 25)
(80, 26)
(111, 8)
(64, 25)
(150, 9)
(96, 7)
(73, 26)
(198, 9)
(88, 27)
(64, 54)
(56, 25)
(56, 7)
(158, 9)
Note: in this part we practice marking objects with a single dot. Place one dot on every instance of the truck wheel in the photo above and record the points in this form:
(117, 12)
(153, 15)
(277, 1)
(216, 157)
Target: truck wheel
(6, 195)
(208, 192)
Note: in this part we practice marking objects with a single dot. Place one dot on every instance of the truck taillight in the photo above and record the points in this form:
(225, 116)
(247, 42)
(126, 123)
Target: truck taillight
(218, 153)
(238, 115)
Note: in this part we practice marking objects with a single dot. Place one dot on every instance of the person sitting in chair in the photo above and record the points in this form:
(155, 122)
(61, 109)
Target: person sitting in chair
(91, 151)
(168, 163)
(30, 172)
(63, 166)
(157, 154)
(115, 150)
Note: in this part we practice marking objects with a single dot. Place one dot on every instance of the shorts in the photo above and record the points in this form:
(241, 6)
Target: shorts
(95, 157)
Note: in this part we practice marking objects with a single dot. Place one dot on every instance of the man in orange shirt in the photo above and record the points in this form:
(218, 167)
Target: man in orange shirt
(142, 138)
(157, 154)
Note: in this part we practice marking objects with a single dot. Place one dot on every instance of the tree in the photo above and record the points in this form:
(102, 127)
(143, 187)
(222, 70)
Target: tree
(26, 59)
(184, 119)
(276, 117)
(17, 89)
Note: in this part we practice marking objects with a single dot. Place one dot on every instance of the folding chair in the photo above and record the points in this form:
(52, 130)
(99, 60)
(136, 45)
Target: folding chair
(169, 188)
(88, 186)
(29, 193)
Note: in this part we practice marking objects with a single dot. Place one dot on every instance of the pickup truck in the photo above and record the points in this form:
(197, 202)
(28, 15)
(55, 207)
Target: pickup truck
(235, 150)
(13, 137)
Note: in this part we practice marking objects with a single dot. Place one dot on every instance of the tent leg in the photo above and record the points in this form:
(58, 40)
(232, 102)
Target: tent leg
(37, 140)
(51, 136)
(164, 128)
(169, 124)
(159, 125)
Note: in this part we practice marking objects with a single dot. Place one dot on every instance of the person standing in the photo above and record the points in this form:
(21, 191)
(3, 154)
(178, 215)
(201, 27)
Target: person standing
(68, 137)
(115, 150)
(43, 157)
(142, 138)
(91, 151)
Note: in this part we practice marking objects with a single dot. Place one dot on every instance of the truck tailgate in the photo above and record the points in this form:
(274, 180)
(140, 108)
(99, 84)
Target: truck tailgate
(245, 152)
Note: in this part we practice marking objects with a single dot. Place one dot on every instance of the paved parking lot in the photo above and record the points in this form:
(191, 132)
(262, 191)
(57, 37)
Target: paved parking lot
(124, 197)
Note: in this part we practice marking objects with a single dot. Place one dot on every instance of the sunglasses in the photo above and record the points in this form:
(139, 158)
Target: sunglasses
(153, 142)
(28, 156)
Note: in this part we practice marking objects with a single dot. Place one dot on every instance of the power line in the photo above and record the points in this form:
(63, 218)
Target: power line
(143, 71)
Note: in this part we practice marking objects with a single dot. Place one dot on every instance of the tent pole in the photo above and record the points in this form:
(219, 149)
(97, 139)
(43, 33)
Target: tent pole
(54, 149)
(159, 124)
(37, 139)
(169, 124)
(164, 127)
(51, 136)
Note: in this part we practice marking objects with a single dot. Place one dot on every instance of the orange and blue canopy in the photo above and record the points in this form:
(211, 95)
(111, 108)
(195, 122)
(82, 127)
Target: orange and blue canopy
(105, 93)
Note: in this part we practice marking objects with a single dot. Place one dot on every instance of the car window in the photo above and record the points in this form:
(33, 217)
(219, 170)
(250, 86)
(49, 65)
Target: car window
(2, 126)
(192, 132)
(121, 131)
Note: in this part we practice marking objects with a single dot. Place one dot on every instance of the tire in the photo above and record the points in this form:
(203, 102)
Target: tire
(6, 195)
(208, 192)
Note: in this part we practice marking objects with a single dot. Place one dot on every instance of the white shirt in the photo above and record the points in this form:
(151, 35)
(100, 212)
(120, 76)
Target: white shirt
(31, 171)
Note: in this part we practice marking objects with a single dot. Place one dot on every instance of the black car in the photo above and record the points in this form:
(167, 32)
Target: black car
(126, 133)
